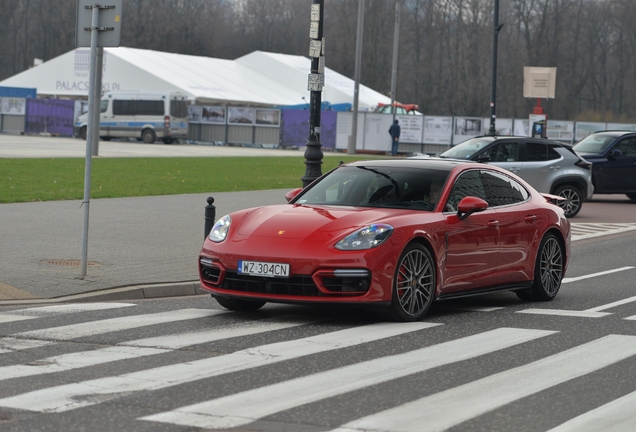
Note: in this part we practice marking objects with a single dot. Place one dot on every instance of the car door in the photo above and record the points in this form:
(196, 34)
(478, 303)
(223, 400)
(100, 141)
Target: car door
(518, 226)
(541, 163)
(619, 171)
(472, 244)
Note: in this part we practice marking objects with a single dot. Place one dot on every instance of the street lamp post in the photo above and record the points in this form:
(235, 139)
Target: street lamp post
(493, 95)
(315, 84)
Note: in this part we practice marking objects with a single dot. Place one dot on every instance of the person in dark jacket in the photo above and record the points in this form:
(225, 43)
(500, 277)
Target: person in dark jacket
(394, 131)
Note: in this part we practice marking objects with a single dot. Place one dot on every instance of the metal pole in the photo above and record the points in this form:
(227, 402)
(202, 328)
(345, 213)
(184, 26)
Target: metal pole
(98, 96)
(313, 154)
(396, 41)
(493, 95)
(353, 138)
(89, 138)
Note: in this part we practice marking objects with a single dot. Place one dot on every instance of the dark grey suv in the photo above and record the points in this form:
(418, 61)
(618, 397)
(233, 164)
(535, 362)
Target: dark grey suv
(549, 166)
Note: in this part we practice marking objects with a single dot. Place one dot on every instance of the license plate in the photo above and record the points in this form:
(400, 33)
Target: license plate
(257, 268)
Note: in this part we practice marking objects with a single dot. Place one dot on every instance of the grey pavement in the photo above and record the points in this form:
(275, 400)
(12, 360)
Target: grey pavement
(137, 247)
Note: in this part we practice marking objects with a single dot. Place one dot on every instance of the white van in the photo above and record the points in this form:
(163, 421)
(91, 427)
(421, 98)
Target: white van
(143, 115)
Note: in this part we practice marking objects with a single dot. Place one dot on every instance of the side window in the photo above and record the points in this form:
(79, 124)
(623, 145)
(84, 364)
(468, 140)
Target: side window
(501, 190)
(536, 152)
(103, 106)
(504, 152)
(627, 146)
(552, 153)
(469, 183)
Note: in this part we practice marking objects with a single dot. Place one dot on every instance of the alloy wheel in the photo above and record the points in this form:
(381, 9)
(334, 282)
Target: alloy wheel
(415, 282)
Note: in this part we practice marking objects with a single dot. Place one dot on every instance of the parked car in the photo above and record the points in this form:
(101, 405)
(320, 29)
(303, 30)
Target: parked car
(397, 234)
(613, 157)
(549, 166)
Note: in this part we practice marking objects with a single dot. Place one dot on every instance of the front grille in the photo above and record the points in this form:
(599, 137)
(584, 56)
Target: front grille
(293, 286)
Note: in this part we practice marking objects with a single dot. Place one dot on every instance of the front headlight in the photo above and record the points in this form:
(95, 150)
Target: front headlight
(220, 229)
(366, 238)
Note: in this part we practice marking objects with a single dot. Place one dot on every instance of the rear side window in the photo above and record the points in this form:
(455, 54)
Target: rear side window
(179, 108)
(536, 152)
(552, 153)
(501, 190)
(138, 107)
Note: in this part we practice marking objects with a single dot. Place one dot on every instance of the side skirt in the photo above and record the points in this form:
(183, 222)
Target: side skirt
(470, 293)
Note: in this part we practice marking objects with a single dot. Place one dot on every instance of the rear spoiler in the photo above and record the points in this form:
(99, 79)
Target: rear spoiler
(554, 199)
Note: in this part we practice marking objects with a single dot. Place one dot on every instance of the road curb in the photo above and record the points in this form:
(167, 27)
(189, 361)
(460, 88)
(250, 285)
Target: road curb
(134, 292)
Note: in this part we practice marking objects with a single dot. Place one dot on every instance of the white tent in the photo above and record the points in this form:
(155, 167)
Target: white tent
(257, 79)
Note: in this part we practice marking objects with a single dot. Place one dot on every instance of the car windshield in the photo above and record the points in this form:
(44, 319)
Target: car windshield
(594, 144)
(396, 187)
(466, 149)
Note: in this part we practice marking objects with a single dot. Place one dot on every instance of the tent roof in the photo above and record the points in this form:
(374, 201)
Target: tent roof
(258, 78)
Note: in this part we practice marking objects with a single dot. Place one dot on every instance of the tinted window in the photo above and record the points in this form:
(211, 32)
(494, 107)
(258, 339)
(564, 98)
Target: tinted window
(536, 152)
(503, 152)
(138, 107)
(469, 183)
(552, 153)
(179, 108)
(501, 190)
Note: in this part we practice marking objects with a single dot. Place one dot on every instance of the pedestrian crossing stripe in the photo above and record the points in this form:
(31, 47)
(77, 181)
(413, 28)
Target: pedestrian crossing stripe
(36, 312)
(451, 407)
(230, 412)
(71, 396)
(582, 231)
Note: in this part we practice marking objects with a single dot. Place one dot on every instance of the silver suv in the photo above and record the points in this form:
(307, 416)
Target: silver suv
(549, 166)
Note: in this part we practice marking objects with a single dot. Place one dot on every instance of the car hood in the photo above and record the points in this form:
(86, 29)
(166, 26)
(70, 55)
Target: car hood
(311, 222)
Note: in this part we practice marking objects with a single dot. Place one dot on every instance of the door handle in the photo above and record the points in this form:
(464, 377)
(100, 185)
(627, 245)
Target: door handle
(555, 167)
(492, 224)
(514, 169)
(530, 218)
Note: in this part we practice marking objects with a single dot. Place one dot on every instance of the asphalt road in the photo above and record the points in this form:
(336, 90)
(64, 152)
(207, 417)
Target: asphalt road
(481, 364)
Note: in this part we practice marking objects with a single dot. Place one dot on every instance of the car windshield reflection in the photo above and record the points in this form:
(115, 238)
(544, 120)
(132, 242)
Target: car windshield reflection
(412, 188)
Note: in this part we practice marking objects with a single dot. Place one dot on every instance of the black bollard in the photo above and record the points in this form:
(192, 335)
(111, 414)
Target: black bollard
(210, 215)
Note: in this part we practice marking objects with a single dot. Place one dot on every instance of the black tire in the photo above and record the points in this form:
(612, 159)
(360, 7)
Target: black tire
(631, 196)
(148, 136)
(413, 284)
(105, 138)
(167, 140)
(239, 305)
(548, 271)
(82, 133)
(573, 199)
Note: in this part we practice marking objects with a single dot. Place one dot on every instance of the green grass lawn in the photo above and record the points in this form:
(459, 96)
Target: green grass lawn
(24, 180)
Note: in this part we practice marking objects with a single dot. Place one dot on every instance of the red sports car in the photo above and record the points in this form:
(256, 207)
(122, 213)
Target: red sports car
(397, 234)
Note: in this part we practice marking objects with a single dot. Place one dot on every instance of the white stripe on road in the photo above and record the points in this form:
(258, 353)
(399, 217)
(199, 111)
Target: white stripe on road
(77, 360)
(30, 313)
(92, 328)
(5, 318)
(614, 304)
(182, 340)
(69, 308)
(135, 349)
(616, 416)
(9, 344)
(449, 408)
(72, 396)
(247, 407)
(561, 312)
(574, 279)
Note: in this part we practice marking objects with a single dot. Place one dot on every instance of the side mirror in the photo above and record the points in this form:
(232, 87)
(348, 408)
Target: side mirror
(292, 194)
(483, 158)
(615, 153)
(469, 205)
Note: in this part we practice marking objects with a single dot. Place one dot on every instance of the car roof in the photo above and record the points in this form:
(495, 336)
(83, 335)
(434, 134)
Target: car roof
(444, 164)
(519, 137)
(613, 132)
